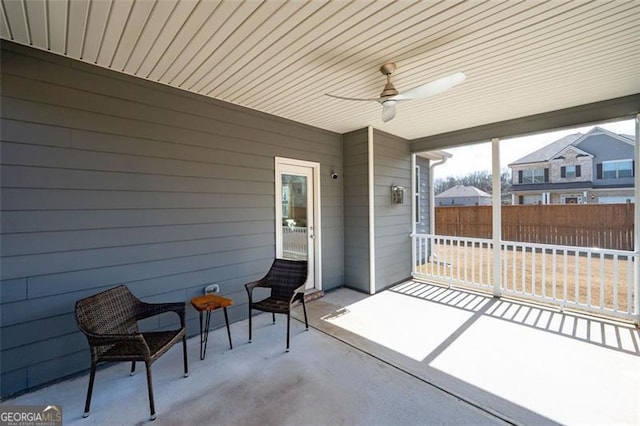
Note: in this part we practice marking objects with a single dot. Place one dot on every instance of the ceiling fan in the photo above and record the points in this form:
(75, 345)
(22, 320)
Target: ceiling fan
(390, 96)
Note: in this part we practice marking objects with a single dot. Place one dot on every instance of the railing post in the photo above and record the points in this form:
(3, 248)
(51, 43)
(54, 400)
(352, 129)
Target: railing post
(496, 216)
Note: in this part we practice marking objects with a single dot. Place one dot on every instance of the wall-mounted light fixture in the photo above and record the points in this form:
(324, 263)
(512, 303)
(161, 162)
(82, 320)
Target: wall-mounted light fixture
(397, 194)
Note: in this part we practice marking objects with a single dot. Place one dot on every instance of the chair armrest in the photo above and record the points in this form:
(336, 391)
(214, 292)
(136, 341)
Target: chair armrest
(146, 310)
(250, 286)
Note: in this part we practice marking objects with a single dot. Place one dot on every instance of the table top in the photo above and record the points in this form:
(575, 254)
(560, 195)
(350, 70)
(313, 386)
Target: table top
(209, 302)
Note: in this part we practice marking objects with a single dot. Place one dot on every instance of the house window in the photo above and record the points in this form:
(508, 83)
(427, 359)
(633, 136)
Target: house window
(616, 169)
(531, 199)
(533, 176)
(570, 171)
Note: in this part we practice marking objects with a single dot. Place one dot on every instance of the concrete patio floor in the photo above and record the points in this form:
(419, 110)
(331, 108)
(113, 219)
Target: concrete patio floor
(414, 354)
(525, 363)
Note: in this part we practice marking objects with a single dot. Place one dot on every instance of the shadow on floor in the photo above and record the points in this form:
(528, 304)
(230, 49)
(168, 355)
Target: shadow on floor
(588, 329)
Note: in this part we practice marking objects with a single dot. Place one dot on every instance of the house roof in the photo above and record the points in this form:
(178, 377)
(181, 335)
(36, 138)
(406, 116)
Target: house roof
(460, 191)
(550, 151)
(283, 57)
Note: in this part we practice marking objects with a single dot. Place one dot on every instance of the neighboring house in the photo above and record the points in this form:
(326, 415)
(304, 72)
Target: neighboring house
(595, 167)
(461, 195)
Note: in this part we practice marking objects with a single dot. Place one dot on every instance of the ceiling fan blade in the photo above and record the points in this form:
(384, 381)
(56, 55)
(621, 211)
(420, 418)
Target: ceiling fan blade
(354, 99)
(388, 110)
(432, 88)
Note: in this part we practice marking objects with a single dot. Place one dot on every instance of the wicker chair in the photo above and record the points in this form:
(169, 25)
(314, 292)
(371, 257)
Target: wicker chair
(286, 280)
(109, 321)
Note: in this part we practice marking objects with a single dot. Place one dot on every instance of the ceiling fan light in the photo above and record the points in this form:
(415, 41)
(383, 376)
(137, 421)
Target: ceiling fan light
(388, 110)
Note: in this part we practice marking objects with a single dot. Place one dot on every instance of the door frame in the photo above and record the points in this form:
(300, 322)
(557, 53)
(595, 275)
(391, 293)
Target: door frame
(281, 164)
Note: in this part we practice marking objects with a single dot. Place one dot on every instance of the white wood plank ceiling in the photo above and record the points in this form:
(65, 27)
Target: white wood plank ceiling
(281, 57)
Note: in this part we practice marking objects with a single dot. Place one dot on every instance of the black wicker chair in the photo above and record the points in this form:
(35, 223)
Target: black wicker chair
(286, 280)
(109, 321)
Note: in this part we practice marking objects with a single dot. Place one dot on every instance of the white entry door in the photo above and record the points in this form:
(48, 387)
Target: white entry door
(297, 219)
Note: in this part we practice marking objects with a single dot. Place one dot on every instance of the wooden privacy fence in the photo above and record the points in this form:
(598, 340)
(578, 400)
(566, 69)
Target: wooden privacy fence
(607, 226)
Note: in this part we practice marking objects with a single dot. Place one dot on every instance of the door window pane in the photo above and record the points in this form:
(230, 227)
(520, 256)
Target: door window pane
(294, 217)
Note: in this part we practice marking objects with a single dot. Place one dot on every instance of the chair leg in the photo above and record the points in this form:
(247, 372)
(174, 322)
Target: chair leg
(288, 326)
(184, 356)
(273, 315)
(92, 377)
(150, 386)
(249, 324)
(304, 309)
(133, 368)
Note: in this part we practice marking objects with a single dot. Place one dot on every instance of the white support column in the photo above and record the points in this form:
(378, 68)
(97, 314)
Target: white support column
(636, 226)
(372, 213)
(414, 218)
(496, 216)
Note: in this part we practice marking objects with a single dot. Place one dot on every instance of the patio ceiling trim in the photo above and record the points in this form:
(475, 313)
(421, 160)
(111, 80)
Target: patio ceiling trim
(597, 112)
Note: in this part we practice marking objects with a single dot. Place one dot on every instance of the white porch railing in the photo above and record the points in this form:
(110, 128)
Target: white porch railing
(294, 242)
(589, 279)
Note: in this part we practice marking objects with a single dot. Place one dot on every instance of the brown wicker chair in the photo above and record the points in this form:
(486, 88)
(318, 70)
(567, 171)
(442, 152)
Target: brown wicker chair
(109, 320)
(286, 280)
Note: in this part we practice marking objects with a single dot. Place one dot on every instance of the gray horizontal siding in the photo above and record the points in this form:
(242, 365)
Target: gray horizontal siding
(109, 179)
(393, 222)
(356, 210)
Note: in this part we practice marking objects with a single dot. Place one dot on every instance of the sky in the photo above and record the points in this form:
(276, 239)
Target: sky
(478, 157)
